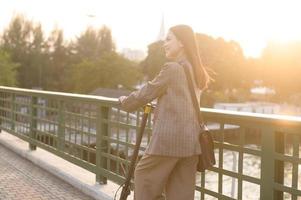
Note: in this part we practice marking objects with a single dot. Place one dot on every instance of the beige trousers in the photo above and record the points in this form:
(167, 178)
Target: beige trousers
(159, 175)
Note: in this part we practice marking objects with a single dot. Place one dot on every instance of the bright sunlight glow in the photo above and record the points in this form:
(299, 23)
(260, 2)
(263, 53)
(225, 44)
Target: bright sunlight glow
(136, 23)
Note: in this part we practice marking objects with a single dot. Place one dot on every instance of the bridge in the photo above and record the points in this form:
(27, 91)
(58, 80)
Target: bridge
(257, 154)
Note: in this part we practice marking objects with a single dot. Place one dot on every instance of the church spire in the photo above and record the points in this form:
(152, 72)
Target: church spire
(161, 35)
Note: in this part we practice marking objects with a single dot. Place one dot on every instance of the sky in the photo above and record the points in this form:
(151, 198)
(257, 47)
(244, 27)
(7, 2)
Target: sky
(136, 23)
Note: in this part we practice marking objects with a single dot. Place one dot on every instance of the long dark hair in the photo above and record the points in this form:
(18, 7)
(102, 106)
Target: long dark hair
(187, 37)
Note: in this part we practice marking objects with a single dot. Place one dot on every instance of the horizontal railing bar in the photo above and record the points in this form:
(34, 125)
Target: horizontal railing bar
(213, 193)
(121, 142)
(17, 103)
(113, 176)
(287, 158)
(70, 114)
(59, 95)
(236, 175)
(286, 189)
(78, 130)
(45, 108)
(5, 99)
(5, 118)
(122, 124)
(46, 133)
(259, 119)
(116, 158)
(237, 148)
(21, 114)
(23, 124)
(81, 147)
(5, 109)
(43, 120)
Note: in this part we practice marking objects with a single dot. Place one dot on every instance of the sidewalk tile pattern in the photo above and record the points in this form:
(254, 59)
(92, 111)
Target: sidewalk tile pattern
(20, 179)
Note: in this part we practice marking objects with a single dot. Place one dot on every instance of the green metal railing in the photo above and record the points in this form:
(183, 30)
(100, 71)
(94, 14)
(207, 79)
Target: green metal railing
(257, 154)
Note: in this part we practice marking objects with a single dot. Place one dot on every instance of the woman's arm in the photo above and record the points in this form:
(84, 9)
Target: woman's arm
(151, 90)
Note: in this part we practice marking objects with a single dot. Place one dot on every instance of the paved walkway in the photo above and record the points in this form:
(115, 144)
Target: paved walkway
(22, 180)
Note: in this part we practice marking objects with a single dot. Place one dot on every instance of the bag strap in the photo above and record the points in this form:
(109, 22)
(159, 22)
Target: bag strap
(193, 95)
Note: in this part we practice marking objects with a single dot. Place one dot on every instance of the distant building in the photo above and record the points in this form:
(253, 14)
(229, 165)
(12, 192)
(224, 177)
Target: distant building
(262, 90)
(261, 107)
(133, 54)
(254, 107)
(262, 93)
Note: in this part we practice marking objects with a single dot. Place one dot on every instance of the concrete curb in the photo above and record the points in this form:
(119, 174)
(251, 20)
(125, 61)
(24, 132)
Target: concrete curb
(79, 178)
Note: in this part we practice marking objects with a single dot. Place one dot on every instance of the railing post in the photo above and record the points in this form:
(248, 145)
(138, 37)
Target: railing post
(33, 123)
(61, 126)
(2, 112)
(279, 165)
(101, 144)
(12, 112)
(267, 164)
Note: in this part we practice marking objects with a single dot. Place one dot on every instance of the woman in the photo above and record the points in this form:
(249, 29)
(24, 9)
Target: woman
(169, 163)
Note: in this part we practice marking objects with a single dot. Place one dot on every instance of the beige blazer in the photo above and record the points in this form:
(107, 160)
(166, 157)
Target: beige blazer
(176, 128)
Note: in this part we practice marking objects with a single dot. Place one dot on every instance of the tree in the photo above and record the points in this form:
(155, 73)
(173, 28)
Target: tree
(37, 59)
(24, 41)
(7, 70)
(92, 43)
(154, 61)
(96, 64)
(226, 59)
(106, 43)
(108, 71)
(15, 42)
(59, 62)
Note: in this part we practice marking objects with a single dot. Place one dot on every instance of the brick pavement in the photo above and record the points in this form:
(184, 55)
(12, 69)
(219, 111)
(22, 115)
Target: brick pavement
(20, 179)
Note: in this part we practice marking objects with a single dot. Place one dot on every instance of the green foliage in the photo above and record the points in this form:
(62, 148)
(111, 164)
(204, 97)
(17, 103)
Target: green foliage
(59, 62)
(53, 64)
(106, 43)
(7, 70)
(96, 64)
(154, 61)
(226, 59)
(92, 43)
(24, 41)
(108, 71)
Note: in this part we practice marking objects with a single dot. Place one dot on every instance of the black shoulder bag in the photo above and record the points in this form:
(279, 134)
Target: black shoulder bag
(207, 158)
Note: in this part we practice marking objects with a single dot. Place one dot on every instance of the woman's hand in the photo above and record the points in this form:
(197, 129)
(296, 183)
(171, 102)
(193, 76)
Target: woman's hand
(121, 99)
